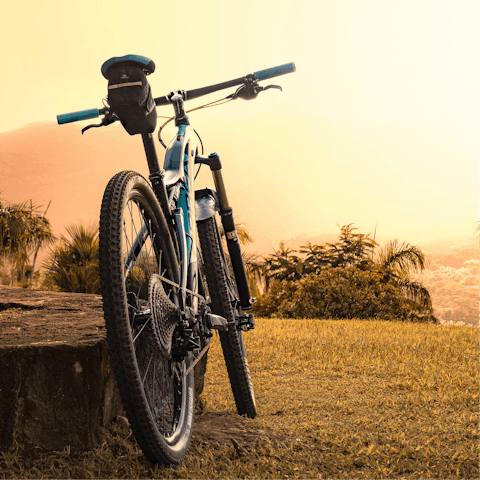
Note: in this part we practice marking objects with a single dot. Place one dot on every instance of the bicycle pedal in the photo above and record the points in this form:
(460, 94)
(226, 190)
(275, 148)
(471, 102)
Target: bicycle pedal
(245, 322)
(216, 322)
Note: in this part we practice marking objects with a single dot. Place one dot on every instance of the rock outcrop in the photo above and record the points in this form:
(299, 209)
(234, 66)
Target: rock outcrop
(57, 388)
(56, 385)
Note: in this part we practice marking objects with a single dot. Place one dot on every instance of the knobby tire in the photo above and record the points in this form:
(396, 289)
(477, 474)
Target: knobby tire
(222, 292)
(134, 244)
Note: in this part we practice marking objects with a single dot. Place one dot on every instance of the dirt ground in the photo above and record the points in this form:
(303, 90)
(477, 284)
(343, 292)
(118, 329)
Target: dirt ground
(226, 428)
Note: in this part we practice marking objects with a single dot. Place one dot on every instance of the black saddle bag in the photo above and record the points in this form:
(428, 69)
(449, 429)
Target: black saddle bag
(130, 97)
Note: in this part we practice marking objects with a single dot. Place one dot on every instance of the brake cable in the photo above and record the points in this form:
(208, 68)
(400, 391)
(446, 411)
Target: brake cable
(211, 104)
(247, 91)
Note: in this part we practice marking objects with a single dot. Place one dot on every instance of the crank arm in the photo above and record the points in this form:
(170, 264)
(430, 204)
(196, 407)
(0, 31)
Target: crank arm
(216, 322)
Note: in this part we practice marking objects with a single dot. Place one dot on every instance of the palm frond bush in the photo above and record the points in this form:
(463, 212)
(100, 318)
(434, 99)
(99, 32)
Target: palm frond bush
(346, 279)
(72, 265)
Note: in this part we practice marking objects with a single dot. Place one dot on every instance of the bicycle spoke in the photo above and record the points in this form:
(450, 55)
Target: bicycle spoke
(160, 262)
(154, 376)
(146, 370)
(139, 247)
(141, 330)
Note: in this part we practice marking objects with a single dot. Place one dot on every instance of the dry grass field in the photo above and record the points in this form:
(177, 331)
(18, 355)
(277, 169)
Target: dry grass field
(337, 399)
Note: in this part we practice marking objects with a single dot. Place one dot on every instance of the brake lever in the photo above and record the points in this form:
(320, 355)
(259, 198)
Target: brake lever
(250, 90)
(278, 87)
(108, 119)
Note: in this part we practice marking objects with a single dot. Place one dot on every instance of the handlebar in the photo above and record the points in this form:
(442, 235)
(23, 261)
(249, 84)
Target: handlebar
(260, 75)
(189, 95)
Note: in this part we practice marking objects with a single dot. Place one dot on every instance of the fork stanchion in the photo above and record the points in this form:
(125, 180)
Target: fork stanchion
(233, 244)
(228, 222)
(235, 252)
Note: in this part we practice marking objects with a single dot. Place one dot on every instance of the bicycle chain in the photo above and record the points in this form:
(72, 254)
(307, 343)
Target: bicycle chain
(176, 285)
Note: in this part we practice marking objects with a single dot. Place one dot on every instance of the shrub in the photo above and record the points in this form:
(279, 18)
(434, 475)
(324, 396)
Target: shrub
(348, 292)
(72, 265)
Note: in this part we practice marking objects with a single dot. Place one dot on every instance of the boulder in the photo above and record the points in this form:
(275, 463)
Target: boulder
(57, 387)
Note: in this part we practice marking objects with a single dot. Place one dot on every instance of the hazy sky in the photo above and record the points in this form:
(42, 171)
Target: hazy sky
(363, 63)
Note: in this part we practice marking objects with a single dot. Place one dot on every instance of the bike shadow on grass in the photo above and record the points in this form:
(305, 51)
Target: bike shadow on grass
(227, 427)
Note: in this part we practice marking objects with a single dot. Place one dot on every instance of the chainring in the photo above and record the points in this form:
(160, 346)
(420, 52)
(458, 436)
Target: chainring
(164, 315)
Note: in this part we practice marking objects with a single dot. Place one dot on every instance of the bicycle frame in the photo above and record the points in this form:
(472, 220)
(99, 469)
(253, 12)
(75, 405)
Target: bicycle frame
(178, 178)
(173, 187)
(155, 280)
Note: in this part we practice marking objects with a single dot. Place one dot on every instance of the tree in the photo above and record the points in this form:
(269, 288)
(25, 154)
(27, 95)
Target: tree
(351, 249)
(244, 236)
(398, 262)
(256, 272)
(283, 265)
(253, 267)
(23, 232)
(316, 257)
(335, 292)
(72, 265)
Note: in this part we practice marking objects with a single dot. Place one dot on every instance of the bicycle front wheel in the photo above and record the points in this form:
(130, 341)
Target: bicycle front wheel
(222, 291)
(138, 266)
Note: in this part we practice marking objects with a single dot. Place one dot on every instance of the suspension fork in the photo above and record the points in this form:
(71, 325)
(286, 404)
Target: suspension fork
(228, 222)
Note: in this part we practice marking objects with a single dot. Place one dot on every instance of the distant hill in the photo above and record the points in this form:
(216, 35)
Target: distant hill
(290, 174)
(282, 182)
(45, 162)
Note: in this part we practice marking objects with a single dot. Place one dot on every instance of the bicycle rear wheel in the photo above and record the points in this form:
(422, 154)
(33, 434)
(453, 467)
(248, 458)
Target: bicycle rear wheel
(141, 315)
(223, 294)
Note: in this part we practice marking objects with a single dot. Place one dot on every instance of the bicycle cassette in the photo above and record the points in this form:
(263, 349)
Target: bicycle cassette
(164, 316)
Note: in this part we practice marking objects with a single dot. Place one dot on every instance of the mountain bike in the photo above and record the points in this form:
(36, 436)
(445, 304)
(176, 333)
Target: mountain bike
(166, 280)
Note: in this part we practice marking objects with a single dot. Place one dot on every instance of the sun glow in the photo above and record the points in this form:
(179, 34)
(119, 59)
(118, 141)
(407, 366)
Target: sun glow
(383, 110)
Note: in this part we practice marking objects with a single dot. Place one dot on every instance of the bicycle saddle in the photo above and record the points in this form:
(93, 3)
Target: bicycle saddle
(145, 63)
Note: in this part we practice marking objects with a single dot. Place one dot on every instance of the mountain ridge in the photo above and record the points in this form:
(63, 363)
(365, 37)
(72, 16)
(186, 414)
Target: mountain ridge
(288, 173)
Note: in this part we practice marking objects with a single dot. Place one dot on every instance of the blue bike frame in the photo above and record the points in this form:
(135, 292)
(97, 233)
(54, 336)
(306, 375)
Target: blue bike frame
(178, 179)
(173, 185)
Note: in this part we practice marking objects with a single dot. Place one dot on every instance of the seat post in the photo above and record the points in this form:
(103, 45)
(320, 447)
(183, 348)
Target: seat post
(151, 153)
